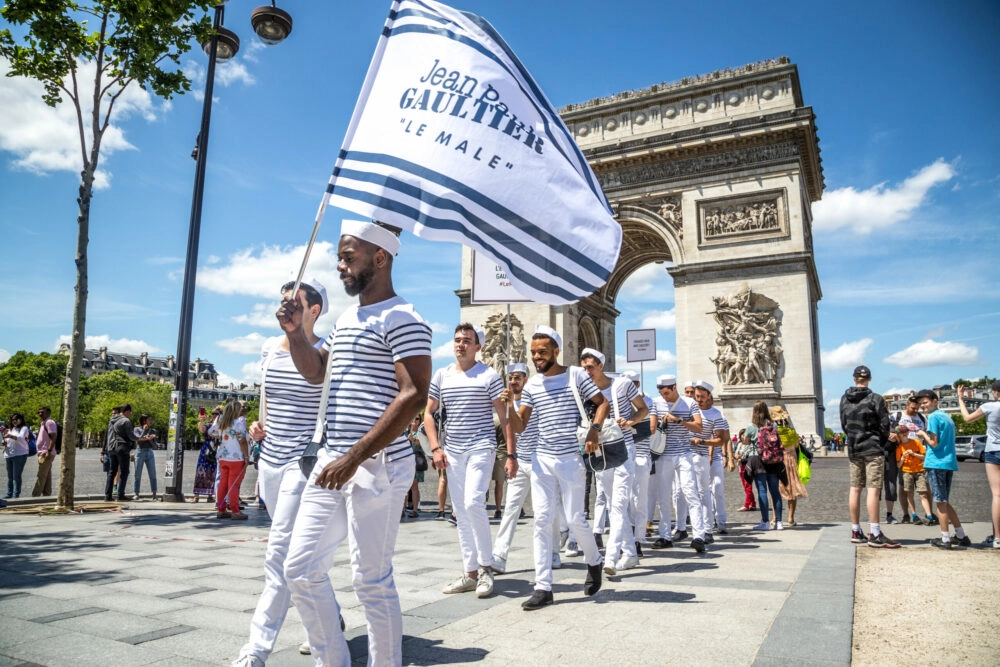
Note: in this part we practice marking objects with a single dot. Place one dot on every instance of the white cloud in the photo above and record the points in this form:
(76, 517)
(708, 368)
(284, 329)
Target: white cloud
(847, 355)
(249, 344)
(233, 71)
(665, 361)
(260, 272)
(664, 319)
(261, 316)
(879, 206)
(4, 355)
(444, 351)
(932, 353)
(902, 391)
(45, 139)
(440, 327)
(650, 282)
(122, 345)
(160, 261)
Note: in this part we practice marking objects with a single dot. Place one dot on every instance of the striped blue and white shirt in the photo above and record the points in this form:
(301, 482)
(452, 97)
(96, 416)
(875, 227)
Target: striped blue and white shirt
(290, 405)
(527, 440)
(552, 404)
(642, 444)
(468, 405)
(624, 391)
(678, 436)
(366, 343)
(712, 421)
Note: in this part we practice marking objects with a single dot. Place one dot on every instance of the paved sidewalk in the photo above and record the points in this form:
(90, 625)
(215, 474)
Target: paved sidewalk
(166, 584)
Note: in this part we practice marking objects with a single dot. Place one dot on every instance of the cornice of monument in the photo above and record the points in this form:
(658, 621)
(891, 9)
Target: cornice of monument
(687, 86)
(764, 264)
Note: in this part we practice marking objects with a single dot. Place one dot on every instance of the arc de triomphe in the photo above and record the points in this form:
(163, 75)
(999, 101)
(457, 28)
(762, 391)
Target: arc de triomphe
(713, 176)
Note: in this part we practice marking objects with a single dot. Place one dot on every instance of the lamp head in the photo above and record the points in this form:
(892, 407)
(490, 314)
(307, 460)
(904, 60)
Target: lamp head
(271, 24)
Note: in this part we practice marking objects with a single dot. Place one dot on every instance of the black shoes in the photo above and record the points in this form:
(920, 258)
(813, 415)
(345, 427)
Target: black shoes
(708, 539)
(638, 549)
(940, 544)
(661, 543)
(961, 541)
(698, 545)
(882, 541)
(593, 582)
(537, 600)
(858, 537)
(680, 535)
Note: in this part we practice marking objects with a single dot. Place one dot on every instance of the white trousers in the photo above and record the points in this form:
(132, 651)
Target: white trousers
(640, 497)
(700, 465)
(617, 484)
(281, 490)
(558, 478)
(517, 490)
(370, 520)
(719, 493)
(469, 477)
(688, 501)
(601, 500)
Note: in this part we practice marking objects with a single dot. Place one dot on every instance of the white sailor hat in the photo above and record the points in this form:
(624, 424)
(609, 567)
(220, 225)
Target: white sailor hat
(551, 333)
(594, 353)
(517, 368)
(373, 233)
(701, 384)
(666, 380)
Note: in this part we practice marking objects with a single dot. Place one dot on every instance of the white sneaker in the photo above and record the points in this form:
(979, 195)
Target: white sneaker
(499, 564)
(249, 660)
(303, 649)
(609, 569)
(763, 525)
(572, 550)
(996, 542)
(484, 583)
(463, 584)
(556, 561)
(626, 562)
(779, 526)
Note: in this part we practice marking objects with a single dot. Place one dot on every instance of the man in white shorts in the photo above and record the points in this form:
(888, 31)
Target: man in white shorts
(558, 468)
(379, 373)
(469, 390)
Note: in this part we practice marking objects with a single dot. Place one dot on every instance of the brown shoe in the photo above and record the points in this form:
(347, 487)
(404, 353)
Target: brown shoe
(224, 514)
(239, 516)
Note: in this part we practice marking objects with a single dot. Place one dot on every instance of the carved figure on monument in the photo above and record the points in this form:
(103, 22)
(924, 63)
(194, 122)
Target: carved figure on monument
(747, 348)
(755, 217)
(494, 352)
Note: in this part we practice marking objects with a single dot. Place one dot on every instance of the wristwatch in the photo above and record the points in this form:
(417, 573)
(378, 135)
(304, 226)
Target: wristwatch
(595, 426)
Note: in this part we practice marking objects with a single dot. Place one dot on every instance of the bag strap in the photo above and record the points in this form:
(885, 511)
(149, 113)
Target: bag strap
(614, 400)
(576, 393)
(318, 435)
(262, 410)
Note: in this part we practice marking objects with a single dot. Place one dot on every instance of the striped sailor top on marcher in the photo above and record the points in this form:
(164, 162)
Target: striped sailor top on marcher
(290, 405)
(366, 343)
(677, 434)
(624, 391)
(642, 444)
(468, 398)
(527, 440)
(553, 405)
(712, 421)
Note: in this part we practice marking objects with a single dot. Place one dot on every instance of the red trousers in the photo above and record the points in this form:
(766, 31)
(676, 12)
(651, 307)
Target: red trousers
(230, 478)
(749, 503)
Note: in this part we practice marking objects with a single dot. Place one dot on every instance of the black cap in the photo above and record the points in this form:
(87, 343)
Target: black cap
(927, 393)
(862, 372)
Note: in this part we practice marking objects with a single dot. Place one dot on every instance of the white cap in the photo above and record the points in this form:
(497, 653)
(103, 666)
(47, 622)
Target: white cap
(691, 384)
(631, 375)
(666, 380)
(701, 384)
(481, 337)
(594, 353)
(517, 368)
(371, 232)
(315, 285)
(550, 332)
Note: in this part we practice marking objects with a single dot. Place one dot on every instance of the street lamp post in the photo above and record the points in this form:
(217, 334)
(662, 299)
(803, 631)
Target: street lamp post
(272, 25)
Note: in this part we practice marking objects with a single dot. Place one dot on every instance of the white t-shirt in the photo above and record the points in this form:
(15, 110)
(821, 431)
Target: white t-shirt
(290, 405)
(992, 412)
(712, 421)
(17, 447)
(468, 404)
(553, 405)
(677, 434)
(366, 343)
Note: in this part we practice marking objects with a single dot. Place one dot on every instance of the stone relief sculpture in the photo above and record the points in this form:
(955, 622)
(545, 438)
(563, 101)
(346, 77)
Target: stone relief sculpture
(747, 347)
(755, 217)
(494, 352)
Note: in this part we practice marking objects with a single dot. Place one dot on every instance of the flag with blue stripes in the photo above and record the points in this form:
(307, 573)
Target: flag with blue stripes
(453, 140)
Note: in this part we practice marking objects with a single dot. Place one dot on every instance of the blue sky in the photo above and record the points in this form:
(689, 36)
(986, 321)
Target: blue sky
(906, 242)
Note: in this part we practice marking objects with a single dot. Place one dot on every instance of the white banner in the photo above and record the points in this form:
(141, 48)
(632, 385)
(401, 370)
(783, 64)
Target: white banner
(490, 282)
(453, 140)
(640, 345)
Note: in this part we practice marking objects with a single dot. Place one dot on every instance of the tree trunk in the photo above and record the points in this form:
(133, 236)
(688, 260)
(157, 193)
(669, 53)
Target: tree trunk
(71, 386)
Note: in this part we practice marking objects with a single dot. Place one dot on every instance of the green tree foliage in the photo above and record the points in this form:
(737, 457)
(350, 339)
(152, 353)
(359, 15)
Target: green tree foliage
(130, 42)
(28, 381)
(977, 427)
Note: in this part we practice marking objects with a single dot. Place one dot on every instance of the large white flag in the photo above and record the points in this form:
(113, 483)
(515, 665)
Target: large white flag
(453, 140)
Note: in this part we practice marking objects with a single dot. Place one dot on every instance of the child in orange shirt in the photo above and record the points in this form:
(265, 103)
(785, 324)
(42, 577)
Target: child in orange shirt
(910, 458)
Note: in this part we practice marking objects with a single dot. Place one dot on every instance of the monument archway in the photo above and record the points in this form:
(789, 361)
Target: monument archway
(716, 175)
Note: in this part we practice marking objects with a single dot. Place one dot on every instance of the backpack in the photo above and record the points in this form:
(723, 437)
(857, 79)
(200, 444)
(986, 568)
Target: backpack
(32, 443)
(58, 441)
(769, 445)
